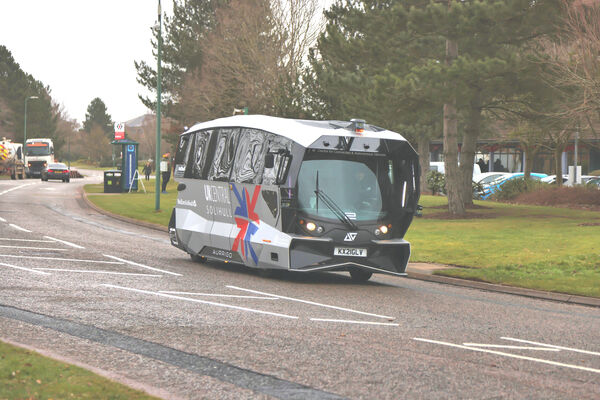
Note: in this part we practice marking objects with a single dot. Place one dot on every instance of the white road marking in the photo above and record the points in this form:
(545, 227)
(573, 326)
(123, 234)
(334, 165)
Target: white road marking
(312, 303)
(65, 242)
(95, 272)
(2, 219)
(19, 228)
(31, 248)
(345, 321)
(62, 259)
(593, 353)
(141, 265)
(24, 269)
(27, 240)
(200, 301)
(233, 296)
(500, 346)
(500, 353)
(16, 187)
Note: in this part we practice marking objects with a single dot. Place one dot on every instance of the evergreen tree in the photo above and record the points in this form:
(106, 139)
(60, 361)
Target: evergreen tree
(15, 87)
(97, 116)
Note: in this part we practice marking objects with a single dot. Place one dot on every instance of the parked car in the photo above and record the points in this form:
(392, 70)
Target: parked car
(441, 168)
(495, 185)
(56, 171)
(594, 182)
(552, 179)
(486, 178)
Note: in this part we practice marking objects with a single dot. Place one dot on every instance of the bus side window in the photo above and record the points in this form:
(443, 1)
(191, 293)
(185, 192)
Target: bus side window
(250, 156)
(200, 154)
(278, 147)
(182, 156)
(223, 154)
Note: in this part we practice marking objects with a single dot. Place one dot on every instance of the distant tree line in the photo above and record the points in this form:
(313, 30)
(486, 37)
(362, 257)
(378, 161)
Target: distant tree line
(428, 69)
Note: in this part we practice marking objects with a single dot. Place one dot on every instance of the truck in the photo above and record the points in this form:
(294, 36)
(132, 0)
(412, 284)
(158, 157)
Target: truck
(11, 159)
(38, 154)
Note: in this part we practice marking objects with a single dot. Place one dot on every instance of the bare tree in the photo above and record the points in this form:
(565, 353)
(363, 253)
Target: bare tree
(253, 58)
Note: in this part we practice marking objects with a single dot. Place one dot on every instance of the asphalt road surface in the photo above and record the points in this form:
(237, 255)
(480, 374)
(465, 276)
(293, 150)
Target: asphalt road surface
(119, 299)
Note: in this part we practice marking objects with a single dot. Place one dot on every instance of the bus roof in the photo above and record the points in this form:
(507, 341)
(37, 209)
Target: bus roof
(304, 132)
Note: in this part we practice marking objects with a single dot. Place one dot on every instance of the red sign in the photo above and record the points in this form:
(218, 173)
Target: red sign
(119, 131)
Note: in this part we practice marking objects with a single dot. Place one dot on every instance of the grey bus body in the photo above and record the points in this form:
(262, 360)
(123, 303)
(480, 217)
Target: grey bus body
(296, 195)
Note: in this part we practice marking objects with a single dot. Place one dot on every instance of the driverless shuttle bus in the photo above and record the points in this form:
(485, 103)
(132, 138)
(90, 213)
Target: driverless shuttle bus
(296, 195)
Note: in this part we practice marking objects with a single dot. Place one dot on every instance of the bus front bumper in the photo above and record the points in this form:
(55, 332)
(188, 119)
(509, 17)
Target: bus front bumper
(314, 254)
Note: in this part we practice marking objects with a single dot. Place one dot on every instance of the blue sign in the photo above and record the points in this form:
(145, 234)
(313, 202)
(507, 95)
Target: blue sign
(129, 168)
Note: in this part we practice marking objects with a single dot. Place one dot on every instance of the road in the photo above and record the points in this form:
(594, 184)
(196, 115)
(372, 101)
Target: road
(120, 300)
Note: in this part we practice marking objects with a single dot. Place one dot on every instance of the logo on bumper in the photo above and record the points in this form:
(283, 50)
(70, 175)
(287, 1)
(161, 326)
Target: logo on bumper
(350, 236)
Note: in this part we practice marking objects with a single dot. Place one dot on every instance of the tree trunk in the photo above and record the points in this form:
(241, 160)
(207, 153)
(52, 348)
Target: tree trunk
(456, 204)
(467, 152)
(529, 154)
(558, 164)
(423, 143)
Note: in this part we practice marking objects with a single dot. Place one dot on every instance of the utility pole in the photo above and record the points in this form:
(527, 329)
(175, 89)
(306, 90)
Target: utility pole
(158, 100)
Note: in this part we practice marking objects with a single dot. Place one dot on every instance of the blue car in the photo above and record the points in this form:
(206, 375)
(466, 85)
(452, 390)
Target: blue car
(493, 187)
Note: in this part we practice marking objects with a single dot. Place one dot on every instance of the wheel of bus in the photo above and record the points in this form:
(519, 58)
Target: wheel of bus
(197, 258)
(359, 275)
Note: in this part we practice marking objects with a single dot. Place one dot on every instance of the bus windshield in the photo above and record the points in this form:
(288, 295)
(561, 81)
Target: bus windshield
(38, 149)
(360, 186)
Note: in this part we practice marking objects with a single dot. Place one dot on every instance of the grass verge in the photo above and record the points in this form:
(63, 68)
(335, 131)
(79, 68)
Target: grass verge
(25, 374)
(137, 205)
(545, 248)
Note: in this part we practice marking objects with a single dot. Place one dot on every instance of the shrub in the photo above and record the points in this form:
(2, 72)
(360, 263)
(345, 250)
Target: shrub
(514, 187)
(436, 182)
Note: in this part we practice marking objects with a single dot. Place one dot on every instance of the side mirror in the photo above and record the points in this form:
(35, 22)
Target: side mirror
(269, 160)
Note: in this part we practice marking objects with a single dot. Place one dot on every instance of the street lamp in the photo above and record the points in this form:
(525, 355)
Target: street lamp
(25, 129)
(158, 158)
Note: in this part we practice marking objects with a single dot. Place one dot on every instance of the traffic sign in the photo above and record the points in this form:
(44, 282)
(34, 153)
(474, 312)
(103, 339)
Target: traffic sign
(119, 130)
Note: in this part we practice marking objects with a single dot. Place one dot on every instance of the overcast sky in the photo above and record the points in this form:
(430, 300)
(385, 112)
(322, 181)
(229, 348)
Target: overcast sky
(83, 49)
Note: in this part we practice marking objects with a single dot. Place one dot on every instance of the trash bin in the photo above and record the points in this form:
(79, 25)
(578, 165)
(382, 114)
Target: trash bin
(112, 181)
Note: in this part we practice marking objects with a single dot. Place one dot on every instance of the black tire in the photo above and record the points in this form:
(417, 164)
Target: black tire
(13, 176)
(67, 180)
(360, 275)
(198, 259)
(21, 176)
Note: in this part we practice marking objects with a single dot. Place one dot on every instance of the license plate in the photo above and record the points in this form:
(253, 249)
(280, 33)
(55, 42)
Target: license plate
(350, 252)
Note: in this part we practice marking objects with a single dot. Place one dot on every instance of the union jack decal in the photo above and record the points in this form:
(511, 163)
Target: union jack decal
(247, 220)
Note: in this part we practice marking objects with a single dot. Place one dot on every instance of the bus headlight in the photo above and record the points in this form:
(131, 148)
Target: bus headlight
(311, 226)
(382, 230)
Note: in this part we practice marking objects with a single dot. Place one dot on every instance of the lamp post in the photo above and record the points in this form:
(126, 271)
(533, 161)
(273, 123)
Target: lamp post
(158, 100)
(25, 130)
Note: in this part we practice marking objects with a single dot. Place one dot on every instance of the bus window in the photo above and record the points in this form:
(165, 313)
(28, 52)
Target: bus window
(280, 147)
(224, 152)
(250, 157)
(182, 156)
(200, 154)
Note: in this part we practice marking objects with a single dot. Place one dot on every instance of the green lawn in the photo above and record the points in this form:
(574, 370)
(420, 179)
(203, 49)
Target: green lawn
(27, 375)
(543, 248)
(546, 248)
(137, 204)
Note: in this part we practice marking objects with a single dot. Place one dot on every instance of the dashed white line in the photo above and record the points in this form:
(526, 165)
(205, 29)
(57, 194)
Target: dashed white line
(95, 272)
(312, 303)
(233, 296)
(30, 248)
(500, 353)
(24, 269)
(61, 259)
(500, 346)
(2, 219)
(141, 265)
(19, 228)
(200, 301)
(27, 240)
(594, 353)
(65, 242)
(346, 321)
(16, 187)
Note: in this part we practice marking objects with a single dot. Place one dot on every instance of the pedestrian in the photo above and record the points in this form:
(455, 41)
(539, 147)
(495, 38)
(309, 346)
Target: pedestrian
(147, 169)
(165, 171)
